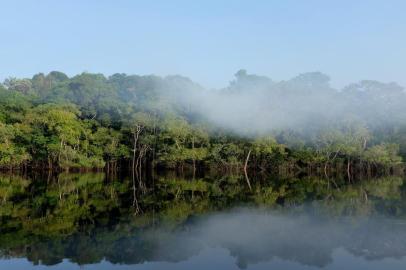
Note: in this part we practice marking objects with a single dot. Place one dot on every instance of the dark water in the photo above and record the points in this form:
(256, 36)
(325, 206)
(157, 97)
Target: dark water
(89, 221)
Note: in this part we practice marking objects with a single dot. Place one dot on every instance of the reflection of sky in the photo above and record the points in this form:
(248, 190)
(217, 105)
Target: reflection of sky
(254, 239)
(217, 258)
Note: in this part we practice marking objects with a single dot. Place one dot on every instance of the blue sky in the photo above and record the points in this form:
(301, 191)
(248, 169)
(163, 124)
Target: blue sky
(207, 41)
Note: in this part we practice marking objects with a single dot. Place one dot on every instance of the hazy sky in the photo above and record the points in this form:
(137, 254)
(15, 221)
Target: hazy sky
(206, 40)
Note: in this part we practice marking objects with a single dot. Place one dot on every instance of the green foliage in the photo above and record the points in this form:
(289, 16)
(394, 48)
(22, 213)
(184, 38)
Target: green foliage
(10, 154)
(266, 150)
(88, 121)
(383, 154)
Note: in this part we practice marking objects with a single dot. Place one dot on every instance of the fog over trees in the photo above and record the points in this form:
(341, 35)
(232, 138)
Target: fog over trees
(92, 121)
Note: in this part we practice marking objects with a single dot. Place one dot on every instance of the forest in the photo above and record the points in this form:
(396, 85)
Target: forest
(131, 122)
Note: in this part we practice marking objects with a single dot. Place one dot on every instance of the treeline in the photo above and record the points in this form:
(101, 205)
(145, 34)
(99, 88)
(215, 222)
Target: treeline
(93, 122)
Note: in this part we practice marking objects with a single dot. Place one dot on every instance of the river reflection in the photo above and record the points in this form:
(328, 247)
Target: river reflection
(87, 220)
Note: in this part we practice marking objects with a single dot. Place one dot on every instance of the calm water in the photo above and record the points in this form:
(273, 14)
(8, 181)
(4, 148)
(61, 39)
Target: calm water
(88, 221)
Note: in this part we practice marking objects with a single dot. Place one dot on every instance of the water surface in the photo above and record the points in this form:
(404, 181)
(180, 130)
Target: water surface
(76, 221)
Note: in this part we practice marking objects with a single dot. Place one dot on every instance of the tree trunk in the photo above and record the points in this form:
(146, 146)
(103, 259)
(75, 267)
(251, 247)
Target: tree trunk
(245, 169)
(194, 158)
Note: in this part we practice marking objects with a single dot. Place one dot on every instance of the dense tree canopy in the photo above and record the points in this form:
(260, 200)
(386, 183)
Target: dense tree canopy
(92, 121)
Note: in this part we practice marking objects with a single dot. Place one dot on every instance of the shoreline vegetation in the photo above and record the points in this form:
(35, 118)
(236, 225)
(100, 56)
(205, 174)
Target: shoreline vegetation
(90, 122)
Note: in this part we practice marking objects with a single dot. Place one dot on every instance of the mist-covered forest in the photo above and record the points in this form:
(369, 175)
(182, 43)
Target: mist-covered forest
(93, 122)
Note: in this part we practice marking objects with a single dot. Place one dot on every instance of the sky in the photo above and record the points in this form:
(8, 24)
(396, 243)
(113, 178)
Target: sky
(208, 40)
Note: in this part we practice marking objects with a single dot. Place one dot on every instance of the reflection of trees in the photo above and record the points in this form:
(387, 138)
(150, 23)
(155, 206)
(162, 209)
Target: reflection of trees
(86, 217)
